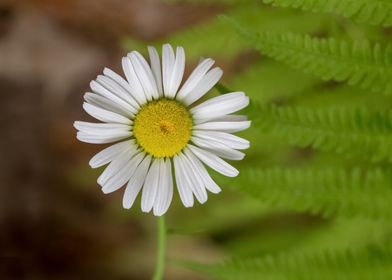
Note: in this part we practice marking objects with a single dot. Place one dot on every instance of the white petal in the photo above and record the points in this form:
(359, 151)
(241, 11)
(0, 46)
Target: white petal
(202, 172)
(195, 78)
(230, 127)
(136, 182)
(223, 98)
(101, 90)
(227, 139)
(133, 81)
(99, 128)
(150, 187)
(219, 149)
(204, 86)
(104, 103)
(156, 68)
(168, 61)
(228, 153)
(169, 174)
(104, 115)
(123, 175)
(117, 163)
(178, 73)
(145, 75)
(220, 106)
(194, 180)
(165, 189)
(116, 89)
(103, 139)
(107, 155)
(124, 84)
(183, 188)
(214, 161)
(161, 190)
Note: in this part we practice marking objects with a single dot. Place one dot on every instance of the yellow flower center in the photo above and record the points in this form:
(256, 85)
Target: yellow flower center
(163, 127)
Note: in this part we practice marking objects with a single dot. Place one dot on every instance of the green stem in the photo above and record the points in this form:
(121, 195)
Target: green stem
(161, 253)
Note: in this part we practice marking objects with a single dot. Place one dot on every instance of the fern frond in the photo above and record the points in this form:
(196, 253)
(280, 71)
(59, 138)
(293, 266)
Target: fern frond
(357, 63)
(354, 132)
(366, 193)
(371, 263)
(375, 12)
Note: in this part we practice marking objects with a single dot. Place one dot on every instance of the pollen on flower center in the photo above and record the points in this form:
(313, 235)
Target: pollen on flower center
(163, 127)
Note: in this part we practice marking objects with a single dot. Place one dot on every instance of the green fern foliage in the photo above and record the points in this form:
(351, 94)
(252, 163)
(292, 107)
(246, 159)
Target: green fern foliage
(357, 63)
(355, 132)
(369, 263)
(328, 192)
(375, 12)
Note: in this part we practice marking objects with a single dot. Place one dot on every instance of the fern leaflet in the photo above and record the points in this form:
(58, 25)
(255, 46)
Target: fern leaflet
(367, 263)
(327, 191)
(357, 63)
(375, 12)
(355, 132)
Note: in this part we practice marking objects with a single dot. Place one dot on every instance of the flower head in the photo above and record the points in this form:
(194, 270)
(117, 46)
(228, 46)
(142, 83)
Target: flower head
(159, 130)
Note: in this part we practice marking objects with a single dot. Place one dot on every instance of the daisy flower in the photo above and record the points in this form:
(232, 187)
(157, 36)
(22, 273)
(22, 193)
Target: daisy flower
(162, 136)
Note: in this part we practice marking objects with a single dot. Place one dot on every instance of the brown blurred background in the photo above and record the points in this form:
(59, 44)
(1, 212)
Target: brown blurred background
(54, 221)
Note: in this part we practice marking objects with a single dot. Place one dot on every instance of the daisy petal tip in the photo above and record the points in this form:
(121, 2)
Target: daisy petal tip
(133, 54)
(152, 50)
(246, 101)
(188, 203)
(144, 207)
(93, 163)
(126, 206)
(125, 62)
(180, 50)
(233, 174)
(92, 83)
(246, 145)
(202, 201)
(76, 124)
(105, 191)
(86, 106)
(145, 210)
(217, 191)
(159, 212)
(80, 137)
(100, 181)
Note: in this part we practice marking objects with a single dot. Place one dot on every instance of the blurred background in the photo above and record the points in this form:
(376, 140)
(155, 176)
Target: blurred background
(55, 223)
